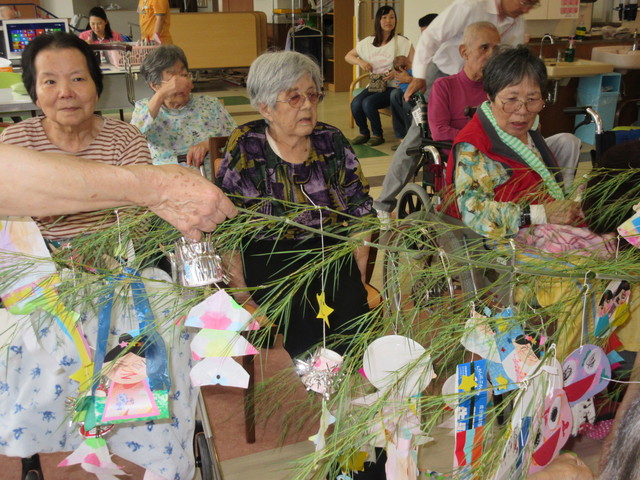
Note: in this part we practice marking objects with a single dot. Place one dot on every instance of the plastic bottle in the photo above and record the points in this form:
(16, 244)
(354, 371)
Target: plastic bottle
(570, 53)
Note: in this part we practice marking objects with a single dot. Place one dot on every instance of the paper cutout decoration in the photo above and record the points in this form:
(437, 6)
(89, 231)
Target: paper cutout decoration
(324, 310)
(219, 371)
(94, 457)
(220, 312)
(398, 364)
(220, 343)
(582, 412)
(503, 343)
(555, 430)
(613, 308)
(128, 395)
(586, 372)
(471, 410)
(630, 229)
(326, 419)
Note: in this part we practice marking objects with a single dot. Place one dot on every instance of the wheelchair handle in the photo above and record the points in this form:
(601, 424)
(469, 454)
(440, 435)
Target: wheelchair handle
(590, 115)
(431, 144)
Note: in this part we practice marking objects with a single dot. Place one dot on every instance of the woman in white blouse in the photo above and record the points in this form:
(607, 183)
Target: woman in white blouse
(375, 54)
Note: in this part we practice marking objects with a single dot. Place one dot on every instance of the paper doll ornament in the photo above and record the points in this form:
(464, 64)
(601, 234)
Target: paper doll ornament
(555, 430)
(220, 343)
(630, 229)
(398, 364)
(586, 372)
(613, 308)
(219, 371)
(220, 312)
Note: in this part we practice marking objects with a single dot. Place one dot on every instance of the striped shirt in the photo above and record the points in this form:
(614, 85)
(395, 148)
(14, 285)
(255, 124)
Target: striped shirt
(118, 143)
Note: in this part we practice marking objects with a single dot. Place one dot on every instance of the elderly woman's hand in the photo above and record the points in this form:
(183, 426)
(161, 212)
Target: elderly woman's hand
(196, 154)
(176, 85)
(564, 212)
(187, 200)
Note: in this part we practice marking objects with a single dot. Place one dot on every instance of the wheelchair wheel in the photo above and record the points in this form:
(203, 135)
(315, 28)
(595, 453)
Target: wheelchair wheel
(413, 198)
(422, 273)
(205, 456)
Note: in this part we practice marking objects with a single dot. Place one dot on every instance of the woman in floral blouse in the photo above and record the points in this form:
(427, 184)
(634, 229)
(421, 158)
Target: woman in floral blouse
(289, 157)
(175, 122)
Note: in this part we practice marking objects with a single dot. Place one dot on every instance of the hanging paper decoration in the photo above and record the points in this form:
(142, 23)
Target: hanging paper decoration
(220, 343)
(471, 381)
(400, 369)
(22, 247)
(128, 395)
(398, 364)
(223, 371)
(94, 457)
(220, 312)
(613, 308)
(630, 229)
(503, 343)
(586, 372)
(555, 430)
(220, 319)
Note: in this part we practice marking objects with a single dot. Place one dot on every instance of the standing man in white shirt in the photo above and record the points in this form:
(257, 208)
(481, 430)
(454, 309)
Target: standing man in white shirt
(437, 55)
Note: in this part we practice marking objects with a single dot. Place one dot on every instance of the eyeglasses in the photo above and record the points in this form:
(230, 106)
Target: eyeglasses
(187, 75)
(297, 100)
(529, 3)
(533, 105)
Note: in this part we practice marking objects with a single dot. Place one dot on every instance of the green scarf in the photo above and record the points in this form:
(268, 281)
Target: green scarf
(530, 158)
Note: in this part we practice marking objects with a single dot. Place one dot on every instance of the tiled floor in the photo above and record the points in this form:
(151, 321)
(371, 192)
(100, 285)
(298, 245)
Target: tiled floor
(272, 464)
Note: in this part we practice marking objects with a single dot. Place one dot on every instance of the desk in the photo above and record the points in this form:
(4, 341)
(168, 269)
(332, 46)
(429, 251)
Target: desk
(114, 93)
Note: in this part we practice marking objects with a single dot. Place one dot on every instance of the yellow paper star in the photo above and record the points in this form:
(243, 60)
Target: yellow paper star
(503, 382)
(324, 310)
(83, 375)
(468, 383)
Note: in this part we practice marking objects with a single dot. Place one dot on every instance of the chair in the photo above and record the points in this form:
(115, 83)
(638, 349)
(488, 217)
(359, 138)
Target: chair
(354, 90)
(216, 148)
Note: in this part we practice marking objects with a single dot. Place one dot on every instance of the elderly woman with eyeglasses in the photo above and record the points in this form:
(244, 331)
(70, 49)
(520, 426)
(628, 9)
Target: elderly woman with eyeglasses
(177, 124)
(504, 174)
(286, 158)
(506, 182)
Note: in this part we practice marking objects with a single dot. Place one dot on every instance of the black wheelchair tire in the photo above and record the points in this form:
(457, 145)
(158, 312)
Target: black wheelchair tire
(413, 198)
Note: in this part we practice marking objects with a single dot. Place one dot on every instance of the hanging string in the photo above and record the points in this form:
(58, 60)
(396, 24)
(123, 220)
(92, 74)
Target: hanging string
(322, 270)
(585, 312)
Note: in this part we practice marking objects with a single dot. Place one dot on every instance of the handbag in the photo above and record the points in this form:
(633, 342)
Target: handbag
(377, 83)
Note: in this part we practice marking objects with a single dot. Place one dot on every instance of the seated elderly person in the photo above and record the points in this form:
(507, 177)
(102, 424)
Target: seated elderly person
(290, 157)
(505, 180)
(451, 95)
(175, 122)
(64, 80)
(63, 77)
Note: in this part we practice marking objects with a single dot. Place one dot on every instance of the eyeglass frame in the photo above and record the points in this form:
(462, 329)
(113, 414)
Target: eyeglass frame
(187, 75)
(320, 97)
(523, 103)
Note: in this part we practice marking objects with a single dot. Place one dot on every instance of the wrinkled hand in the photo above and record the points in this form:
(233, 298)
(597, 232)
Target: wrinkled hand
(564, 212)
(176, 85)
(189, 202)
(196, 154)
(565, 467)
(417, 84)
(403, 76)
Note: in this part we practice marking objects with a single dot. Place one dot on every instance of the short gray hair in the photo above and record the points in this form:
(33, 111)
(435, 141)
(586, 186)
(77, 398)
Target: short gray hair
(160, 59)
(278, 71)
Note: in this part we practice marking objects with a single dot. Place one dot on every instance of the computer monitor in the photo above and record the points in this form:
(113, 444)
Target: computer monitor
(18, 33)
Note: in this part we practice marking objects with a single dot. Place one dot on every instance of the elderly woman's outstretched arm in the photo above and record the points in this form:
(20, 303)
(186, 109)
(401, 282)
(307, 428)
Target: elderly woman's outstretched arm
(37, 184)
